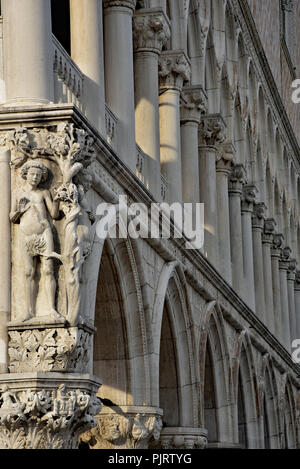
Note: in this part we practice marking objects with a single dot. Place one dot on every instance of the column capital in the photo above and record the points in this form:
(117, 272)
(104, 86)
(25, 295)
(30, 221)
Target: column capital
(269, 228)
(249, 196)
(292, 270)
(297, 280)
(237, 179)
(174, 69)
(125, 427)
(212, 130)
(193, 103)
(151, 30)
(130, 4)
(276, 250)
(285, 260)
(258, 218)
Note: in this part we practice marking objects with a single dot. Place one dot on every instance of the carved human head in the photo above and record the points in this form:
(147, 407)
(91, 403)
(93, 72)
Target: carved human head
(38, 172)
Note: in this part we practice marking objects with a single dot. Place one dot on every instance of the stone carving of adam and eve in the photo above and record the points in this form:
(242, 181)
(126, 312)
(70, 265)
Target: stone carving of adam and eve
(33, 208)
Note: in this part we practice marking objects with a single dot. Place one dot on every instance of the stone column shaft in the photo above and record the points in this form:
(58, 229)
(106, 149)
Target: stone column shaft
(297, 304)
(211, 134)
(257, 229)
(87, 52)
(151, 31)
(193, 103)
(291, 295)
(275, 259)
(174, 69)
(5, 256)
(267, 240)
(236, 232)
(223, 171)
(119, 77)
(28, 61)
(247, 211)
(285, 317)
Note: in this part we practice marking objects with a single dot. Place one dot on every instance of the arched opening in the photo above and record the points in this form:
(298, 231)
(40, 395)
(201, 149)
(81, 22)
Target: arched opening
(247, 402)
(110, 339)
(289, 429)
(242, 420)
(60, 16)
(168, 375)
(210, 404)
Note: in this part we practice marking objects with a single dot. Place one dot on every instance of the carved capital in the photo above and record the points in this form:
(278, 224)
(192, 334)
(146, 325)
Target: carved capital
(249, 197)
(151, 30)
(292, 270)
(276, 250)
(57, 349)
(237, 179)
(130, 4)
(182, 438)
(269, 229)
(258, 219)
(43, 414)
(174, 69)
(212, 130)
(193, 104)
(125, 428)
(287, 5)
(297, 280)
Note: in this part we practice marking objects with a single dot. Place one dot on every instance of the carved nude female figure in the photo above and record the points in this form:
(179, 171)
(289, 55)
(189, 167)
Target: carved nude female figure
(30, 208)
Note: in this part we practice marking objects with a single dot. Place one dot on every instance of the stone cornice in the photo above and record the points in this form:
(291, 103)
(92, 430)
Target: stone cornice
(193, 104)
(174, 69)
(151, 30)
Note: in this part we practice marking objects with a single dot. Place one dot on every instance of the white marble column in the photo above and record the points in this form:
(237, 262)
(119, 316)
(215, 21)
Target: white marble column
(87, 52)
(291, 278)
(249, 195)
(285, 316)
(174, 70)
(5, 256)
(267, 241)
(275, 259)
(224, 165)
(151, 30)
(28, 61)
(297, 303)
(119, 76)
(237, 178)
(193, 104)
(257, 230)
(211, 134)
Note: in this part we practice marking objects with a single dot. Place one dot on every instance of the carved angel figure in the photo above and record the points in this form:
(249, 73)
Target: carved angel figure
(31, 207)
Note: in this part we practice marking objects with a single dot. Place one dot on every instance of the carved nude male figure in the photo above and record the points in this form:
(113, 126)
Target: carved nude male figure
(30, 207)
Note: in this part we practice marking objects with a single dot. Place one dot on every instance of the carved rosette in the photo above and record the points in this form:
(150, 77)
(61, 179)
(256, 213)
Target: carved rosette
(56, 349)
(193, 104)
(125, 428)
(212, 130)
(174, 69)
(182, 438)
(49, 418)
(151, 30)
